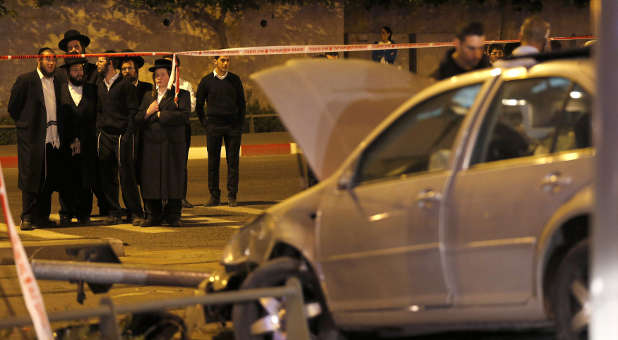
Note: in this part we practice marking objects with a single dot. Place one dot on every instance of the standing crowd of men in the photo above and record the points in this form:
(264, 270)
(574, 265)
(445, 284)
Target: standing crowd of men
(86, 129)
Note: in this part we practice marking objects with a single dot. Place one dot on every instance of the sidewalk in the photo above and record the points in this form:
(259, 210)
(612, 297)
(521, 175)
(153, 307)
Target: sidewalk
(253, 144)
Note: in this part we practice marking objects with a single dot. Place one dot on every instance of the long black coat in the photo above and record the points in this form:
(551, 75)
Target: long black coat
(27, 108)
(163, 155)
(80, 123)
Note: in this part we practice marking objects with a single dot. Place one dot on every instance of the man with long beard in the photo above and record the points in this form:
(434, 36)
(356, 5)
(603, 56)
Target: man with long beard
(78, 101)
(34, 107)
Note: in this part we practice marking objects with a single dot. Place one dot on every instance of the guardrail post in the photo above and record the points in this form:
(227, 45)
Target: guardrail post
(297, 326)
(107, 323)
(251, 124)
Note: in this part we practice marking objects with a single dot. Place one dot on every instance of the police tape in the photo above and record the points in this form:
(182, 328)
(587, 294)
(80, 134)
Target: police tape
(27, 282)
(277, 50)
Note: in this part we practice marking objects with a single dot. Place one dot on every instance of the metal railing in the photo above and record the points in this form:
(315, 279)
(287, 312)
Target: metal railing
(107, 311)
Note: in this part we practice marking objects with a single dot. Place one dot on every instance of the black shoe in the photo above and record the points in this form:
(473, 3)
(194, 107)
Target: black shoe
(231, 202)
(26, 225)
(65, 220)
(45, 224)
(112, 220)
(186, 204)
(83, 220)
(150, 222)
(176, 223)
(137, 221)
(212, 202)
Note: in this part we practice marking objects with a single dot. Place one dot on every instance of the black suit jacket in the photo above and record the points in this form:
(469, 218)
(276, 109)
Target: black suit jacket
(80, 122)
(27, 108)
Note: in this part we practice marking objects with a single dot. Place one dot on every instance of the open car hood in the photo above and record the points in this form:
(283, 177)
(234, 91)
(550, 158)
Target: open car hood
(330, 106)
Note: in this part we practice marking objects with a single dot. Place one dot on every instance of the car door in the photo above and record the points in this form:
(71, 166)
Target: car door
(532, 153)
(378, 238)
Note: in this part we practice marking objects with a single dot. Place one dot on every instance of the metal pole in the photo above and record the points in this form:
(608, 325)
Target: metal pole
(297, 327)
(110, 273)
(604, 254)
(108, 324)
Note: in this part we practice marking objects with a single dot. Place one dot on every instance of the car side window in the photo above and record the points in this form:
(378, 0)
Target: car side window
(420, 140)
(534, 117)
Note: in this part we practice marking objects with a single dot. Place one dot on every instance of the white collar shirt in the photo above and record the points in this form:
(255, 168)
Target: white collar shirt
(218, 76)
(76, 93)
(49, 96)
(111, 81)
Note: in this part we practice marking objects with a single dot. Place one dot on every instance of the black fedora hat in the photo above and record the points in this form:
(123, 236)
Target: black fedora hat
(137, 60)
(68, 62)
(161, 63)
(73, 35)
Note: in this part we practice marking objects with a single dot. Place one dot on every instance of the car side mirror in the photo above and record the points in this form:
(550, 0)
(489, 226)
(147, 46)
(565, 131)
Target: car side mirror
(439, 160)
(346, 181)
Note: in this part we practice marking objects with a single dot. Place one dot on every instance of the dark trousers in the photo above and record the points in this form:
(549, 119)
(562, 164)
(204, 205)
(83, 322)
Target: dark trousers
(232, 154)
(76, 198)
(117, 159)
(76, 195)
(36, 206)
(157, 211)
(188, 137)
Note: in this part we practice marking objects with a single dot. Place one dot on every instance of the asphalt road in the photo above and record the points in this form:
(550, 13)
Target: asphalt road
(196, 246)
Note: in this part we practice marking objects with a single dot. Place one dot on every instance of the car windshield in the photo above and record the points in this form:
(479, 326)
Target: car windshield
(421, 139)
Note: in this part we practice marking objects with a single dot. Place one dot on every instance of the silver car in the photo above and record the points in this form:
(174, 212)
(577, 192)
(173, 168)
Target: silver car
(468, 207)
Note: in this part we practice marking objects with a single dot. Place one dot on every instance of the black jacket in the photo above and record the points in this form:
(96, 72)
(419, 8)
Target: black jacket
(27, 108)
(142, 88)
(163, 153)
(448, 67)
(80, 123)
(117, 107)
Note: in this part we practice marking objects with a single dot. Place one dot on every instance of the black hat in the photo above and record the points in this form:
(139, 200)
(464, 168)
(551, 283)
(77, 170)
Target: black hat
(137, 60)
(161, 63)
(73, 35)
(68, 62)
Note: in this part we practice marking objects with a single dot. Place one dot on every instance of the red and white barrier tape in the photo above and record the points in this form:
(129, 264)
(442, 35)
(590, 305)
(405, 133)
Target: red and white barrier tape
(273, 50)
(27, 282)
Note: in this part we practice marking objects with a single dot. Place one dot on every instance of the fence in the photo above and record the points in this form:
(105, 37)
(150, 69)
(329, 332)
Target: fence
(107, 312)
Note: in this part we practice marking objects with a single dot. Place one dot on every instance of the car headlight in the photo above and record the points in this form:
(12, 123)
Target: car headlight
(249, 243)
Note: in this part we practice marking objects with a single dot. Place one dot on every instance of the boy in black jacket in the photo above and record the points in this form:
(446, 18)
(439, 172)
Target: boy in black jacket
(224, 119)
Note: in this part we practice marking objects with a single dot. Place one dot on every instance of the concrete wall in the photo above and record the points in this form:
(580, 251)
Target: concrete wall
(110, 25)
(439, 23)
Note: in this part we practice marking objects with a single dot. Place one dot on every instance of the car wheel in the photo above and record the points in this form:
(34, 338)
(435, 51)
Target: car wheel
(265, 319)
(571, 297)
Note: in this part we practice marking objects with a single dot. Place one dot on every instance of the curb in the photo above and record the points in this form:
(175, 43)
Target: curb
(200, 152)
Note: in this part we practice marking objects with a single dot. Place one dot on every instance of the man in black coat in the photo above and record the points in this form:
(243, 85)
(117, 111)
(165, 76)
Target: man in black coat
(76, 43)
(467, 55)
(129, 68)
(116, 109)
(224, 94)
(34, 105)
(78, 101)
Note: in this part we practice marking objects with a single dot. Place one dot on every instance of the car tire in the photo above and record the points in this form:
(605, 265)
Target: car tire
(570, 296)
(275, 273)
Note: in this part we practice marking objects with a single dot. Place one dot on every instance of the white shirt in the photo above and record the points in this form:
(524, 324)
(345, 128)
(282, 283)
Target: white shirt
(525, 49)
(111, 81)
(49, 96)
(185, 85)
(160, 96)
(76, 93)
(218, 76)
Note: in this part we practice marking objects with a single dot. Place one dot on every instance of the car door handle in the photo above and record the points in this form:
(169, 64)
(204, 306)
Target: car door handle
(427, 197)
(552, 182)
